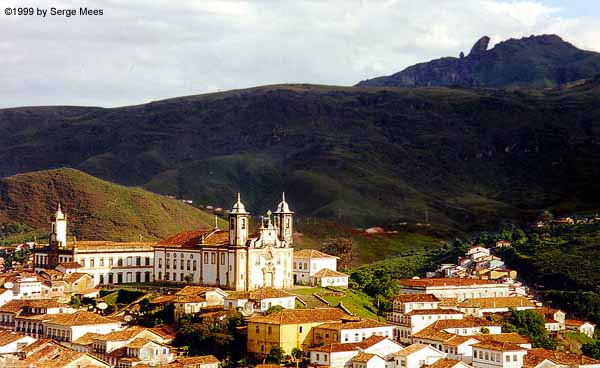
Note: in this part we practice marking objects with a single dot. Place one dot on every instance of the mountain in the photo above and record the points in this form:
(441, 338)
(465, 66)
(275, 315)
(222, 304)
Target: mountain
(96, 209)
(463, 158)
(531, 62)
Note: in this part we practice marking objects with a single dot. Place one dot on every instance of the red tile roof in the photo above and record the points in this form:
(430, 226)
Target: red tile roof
(498, 346)
(420, 312)
(576, 322)
(435, 282)
(311, 253)
(350, 346)
(194, 239)
(416, 298)
(558, 357)
(295, 316)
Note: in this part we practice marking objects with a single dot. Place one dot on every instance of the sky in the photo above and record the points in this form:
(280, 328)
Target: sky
(141, 50)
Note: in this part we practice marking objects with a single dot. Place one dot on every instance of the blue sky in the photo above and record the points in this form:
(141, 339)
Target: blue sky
(141, 50)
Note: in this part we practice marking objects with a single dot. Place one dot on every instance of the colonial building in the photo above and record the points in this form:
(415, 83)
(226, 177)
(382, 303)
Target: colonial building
(106, 261)
(232, 259)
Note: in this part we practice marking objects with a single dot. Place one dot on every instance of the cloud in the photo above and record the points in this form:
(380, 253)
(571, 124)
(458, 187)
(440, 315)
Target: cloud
(139, 51)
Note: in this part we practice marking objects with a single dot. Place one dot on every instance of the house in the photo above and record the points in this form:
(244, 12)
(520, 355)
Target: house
(554, 318)
(496, 273)
(417, 355)
(57, 356)
(494, 354)
(145, 351)
(584, 327)
(368, 360)
(112, 347)
(327, 277)
(457, 288)
(476, 252)
(350, 329)
(288, 328)
(417, 319)
(13, 342)
(308, 262)
(538, 358)
(27, 316)
(67, 267)
(6, 295)
(78, 283)
(478, 306)
(203, 361)
(70, 327)
(448, 363)
(191, 299)
(407, 302)
(259, 300)
(26, 286)
(339, 355)
(503, 243)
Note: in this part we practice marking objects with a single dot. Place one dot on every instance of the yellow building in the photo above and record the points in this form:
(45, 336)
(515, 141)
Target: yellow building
(288, 328)
(496, 273)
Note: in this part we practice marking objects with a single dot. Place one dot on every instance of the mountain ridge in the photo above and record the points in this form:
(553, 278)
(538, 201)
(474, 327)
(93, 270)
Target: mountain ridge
(543, 61)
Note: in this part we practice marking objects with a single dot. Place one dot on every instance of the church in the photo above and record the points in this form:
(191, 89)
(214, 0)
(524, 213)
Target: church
(233, 259)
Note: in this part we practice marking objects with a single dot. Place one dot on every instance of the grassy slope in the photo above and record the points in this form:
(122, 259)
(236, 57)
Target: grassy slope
(96, 208)
(355, 301)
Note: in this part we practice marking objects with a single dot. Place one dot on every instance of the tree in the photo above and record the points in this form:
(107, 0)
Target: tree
(591, 349)
(342, 248)
(275, 355)
(530, 324)
(297, 354)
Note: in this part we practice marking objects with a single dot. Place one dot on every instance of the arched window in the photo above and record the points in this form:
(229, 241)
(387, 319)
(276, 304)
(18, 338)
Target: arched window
(243, 223)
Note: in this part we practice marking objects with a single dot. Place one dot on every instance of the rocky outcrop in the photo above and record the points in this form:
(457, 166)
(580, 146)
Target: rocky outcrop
(532, 62)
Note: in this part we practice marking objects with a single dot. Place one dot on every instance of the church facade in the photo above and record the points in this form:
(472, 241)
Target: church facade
(233, 259)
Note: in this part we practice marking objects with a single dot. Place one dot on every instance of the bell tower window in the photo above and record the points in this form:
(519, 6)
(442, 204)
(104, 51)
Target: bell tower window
(243, 223)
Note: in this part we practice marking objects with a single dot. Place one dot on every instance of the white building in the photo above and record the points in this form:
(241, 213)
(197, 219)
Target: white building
(106, 261)
(232, 259)
(308, 262)
(340, 355)
(456, 288)
(13, 342)
(350, 329)
(416, 320)
(494, 354)
(259, 300)
(477, 252)
(328, 277)
(584, 327)
(70, 327)
(478, 306)
(417, 355)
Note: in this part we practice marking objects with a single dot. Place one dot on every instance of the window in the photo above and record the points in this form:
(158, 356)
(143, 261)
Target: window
(166, 275)
(223, 258)
(102, 262)
(174, 264)
(92, 262)
(160, 262)
(269, 330)
(306, 266)
(138, 261)
(110, 262)
(299, 266)
(257, 330)
(257, 261)
(147, 261)
(181, 276)
(325, 357)
(205, 258)
(82, 262)
(318, 356)
(300, 329)
(243, 223)
(194, 265)
(160, 275)
(213, 258)
(120, 262)
(487, 356)
(287, 222)
(295, 265)
(515, 358)
(183, 264)
(102, 279)
(189, 265)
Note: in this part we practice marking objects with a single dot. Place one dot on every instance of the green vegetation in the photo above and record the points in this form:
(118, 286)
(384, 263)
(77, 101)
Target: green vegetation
(592, 349)
(462, 158)
(531, 324)
(97, 210)
(224, 338)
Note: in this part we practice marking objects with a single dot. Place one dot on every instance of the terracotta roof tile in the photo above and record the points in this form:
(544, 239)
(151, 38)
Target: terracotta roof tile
(576, 322)
(311, 253)
(511, 337)
(194, 239)
(69, 265)
(498, 302)
(7, 337)
(294, 316)
(416, 298)
(326, 272)
(202, 359)
(350, 346)
(363, 323)
(498, 346)
(260, 293)
(411, 349)
(444, 363)
(560, 357)
(434, 282)
(363, 357)
(79, 318)
(419, 312)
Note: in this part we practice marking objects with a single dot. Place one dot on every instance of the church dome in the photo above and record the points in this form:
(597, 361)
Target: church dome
(238, 207)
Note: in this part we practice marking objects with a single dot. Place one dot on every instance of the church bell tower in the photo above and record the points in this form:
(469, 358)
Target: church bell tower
(58, 233)
(238, 224)
(284, 221)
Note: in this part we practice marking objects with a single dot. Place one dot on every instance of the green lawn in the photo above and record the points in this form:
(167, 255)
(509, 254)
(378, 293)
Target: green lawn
(356, 302)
